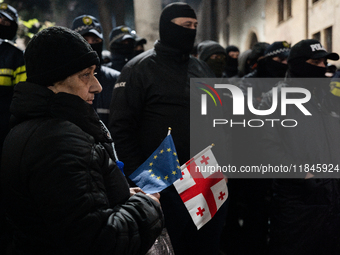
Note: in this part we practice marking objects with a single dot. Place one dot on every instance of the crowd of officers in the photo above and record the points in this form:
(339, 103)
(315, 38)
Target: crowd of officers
(139, 95)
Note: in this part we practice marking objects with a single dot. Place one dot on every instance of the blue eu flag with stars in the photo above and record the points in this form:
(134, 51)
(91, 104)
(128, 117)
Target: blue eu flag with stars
(160, 170)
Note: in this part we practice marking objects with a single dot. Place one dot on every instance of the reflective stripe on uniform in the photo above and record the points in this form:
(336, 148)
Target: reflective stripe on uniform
(103, 111)
(8, 77)
(335, 88)
(6, 71)
(19, 74)
(6, 81)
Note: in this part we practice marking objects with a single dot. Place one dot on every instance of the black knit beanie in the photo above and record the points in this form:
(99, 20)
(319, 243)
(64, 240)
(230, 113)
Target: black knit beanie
(207, 48)
(56, 53)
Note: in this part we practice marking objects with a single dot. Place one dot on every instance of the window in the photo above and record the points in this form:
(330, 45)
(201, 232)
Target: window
(317, 36)
(281, 8)
(213, 20)
(253, 40)
(284, 10)
(228, 33)
(228, 8)
(227, 28)
(289, 8)
(328, 38)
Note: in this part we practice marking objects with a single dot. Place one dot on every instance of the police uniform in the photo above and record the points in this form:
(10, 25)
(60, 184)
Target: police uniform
(12, 67)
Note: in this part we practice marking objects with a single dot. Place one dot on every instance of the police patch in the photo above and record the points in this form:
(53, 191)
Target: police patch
(3, 6)
(87, 20)
(125, 29)
(285, 44)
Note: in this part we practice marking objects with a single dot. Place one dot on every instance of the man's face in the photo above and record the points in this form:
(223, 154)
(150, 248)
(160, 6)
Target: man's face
(92, 38)
(321, 62)
(4, 21)
(233, 54)
(83, 84)
(185, 22)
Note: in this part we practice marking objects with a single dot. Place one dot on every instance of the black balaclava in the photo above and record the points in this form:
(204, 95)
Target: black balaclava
(8, 32)
(300, 68)
(123, 49)
(174, 35)
(217, 66)
(275, 69)
(98, 47)
(267, 67)
(231, 63)
(137, 52)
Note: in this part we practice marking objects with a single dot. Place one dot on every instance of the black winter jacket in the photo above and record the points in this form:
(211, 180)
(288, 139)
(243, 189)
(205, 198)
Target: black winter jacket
(305, 212)
(152, 94)
(63, 192)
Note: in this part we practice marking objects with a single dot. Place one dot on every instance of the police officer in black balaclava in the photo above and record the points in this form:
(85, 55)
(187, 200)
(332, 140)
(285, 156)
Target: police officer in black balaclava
(122, 44)
(139, 44)
(12, 71)
(8, 22)
(214, 55)
(90, 28)
(306, 200)
(308, 59)
(272, 64)
(152, 94)
(12, 65)
(274, 61)
(177, 27)
(231, 61)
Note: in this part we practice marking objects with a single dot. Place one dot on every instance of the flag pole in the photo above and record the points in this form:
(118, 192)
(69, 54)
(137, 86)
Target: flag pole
(169, 132)
(197, 156)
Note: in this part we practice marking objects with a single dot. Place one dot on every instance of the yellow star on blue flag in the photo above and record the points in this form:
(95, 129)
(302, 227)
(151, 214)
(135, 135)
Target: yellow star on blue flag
(160, 170)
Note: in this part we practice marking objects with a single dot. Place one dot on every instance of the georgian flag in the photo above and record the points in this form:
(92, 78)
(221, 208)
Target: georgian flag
(202, 188)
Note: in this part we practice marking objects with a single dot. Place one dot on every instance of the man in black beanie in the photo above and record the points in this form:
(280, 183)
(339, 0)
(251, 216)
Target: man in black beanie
(214, 55)
(305, 208)
(152, 94)
(63, 192)
(90, 28)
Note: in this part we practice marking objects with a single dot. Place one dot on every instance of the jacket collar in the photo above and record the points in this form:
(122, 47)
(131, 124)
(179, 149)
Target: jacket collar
(34, 101)
(170, 53)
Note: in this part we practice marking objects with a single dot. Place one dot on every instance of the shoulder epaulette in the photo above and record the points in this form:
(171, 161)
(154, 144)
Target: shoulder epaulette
(11, 43)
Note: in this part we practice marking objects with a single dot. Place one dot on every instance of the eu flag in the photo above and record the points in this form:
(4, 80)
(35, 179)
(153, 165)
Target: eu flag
(160, 170)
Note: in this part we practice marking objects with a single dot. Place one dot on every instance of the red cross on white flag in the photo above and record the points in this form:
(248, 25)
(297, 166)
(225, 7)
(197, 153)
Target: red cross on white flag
(202, 189)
